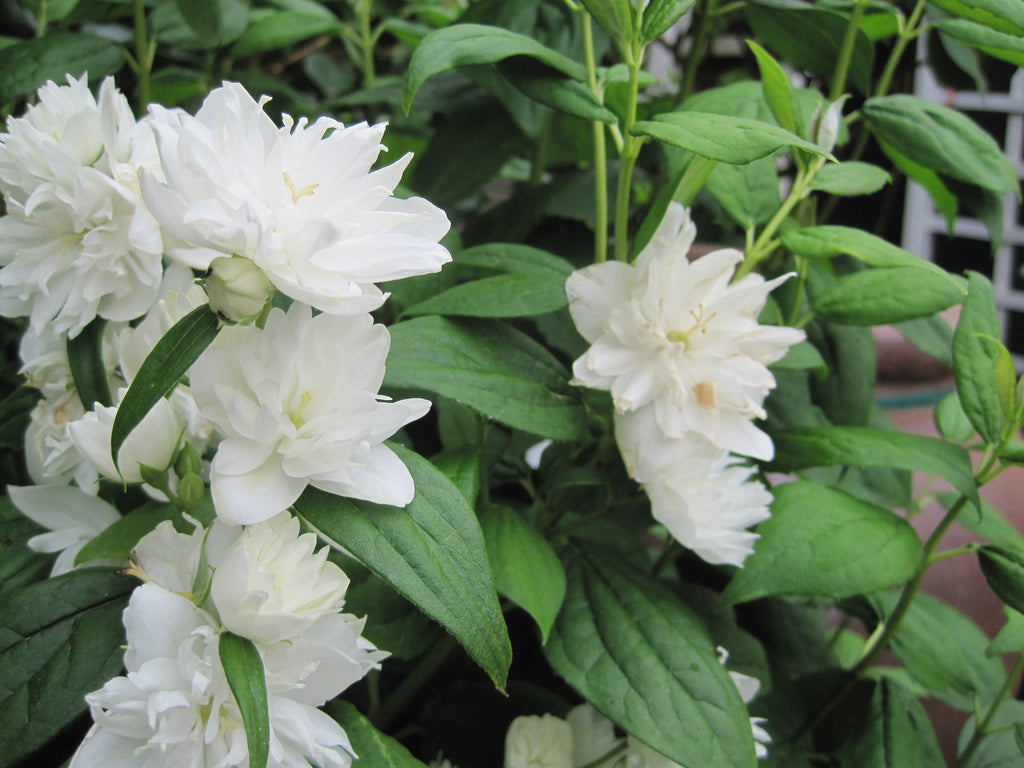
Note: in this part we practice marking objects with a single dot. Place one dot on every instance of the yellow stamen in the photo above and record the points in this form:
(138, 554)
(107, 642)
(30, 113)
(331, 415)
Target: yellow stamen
(297, 194)
(705, 392)
(296, 415)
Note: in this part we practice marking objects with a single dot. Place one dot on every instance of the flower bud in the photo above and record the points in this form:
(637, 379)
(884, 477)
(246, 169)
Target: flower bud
(238, 289)
(188, 461)
(825, 126)
(190, 490)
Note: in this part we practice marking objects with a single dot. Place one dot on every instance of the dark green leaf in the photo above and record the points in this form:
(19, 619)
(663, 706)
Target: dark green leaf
(243, 668)
(987, 522)
(29, 64)
(375, 749)
(513, 258)
(974, 360)
(942, 139)
(830, 240)
(15, 410)
(1004, 572)
(951, 420)
(778, 91)
(808, 38)
(820, 542)
(1001, 747)
(851, 178)
(462, 45)
(999, 44)
(1002, 15)
(723, 138)
(880, 296)
(205, 19)
(660, 15)
(640, 656)
(749, 193)
(556, 91)
(462, 466)
(117, 541)
(614, 16)
(162, 370)
(432, 552)
(847, 393)
(85, 359)
(526, 569)
(863, 447)
(490, 367)
(943, 651)
(282, 29)
(931, 335)
(516, 295)
(895, 733)
(945, 201)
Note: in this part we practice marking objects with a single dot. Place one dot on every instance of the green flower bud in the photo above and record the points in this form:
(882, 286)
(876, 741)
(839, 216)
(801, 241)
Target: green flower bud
(191, 490)
(238, 289)
(188, 461)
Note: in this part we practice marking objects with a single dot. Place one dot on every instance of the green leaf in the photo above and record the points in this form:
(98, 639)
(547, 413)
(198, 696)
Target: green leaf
(462, 45)
(432, 552)
(1004, 572)
(19, 565)
(851, 178)
(282, 29)
(556, 91)
(638, 654)
(951, 420)
(974, 360)
(1009, 639)
(808, 38)
(375, 749)
(723, 138)
(526, 569)
(518, 295)
(802, 355)
(749, 193)
(85, 359)
(462, 466)
(943, 651)
(205, 19)
(1002, 746)
(1002, 15)
(243, 669)
(806, 447)
(660, 15)
(999, 44)
(15, 412)
(895, 733)
(942, 139)
(945, 201)
(931, 335)
(987, 522)
(778, 91)
(162, 370)
(830, 240)
(880, 296)
(490, 367)
(614, 16)
(847, 393)
(117, 541)
(820, 542)
(30, 63)
(513, 258)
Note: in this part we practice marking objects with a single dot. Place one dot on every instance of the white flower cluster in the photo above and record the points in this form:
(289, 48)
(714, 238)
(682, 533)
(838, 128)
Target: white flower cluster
(681, 351)
(265, 583)
(587, 738)
(282, 400)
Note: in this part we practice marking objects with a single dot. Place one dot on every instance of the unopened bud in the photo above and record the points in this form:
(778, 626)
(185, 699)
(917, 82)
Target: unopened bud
(238, 289)
(188, 461)
(190, 490)
(825, 125)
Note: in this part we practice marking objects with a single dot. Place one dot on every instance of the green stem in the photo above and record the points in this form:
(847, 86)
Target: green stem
(982, 730)
(143, 57)
(540, 149)
(763, 246)
(366, 38)
(846, 50)
(627, 157)
(798, 301)
(600, 151)
(705, 9)
(908, 33)
(946, 554)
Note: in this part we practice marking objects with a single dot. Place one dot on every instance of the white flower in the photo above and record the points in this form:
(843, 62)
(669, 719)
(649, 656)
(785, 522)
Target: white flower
(270, 585)
(74, 518)
(153, 442)
(75, 242)
(238, 289)
(748, 687)
(298, 405)
(300, 201)
(593, 735)
(702, 495)
(174, 706)
(677, 336)
(535, 741)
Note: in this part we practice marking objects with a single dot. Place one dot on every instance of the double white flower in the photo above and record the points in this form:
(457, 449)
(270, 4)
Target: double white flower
(300, 201)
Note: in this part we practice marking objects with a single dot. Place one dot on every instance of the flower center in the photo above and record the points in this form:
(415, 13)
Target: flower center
(700, 323)
(298, 194)
(296, 415)
(705, 392)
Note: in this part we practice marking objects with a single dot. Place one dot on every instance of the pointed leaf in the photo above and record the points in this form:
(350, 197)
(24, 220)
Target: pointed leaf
(1004, 572)
(556, 91)
(29, 64)
(1003, 15)
(821, 542)
(85, 359)
(614, 16)
(660, 15)
(526, 569)
(830, 240)
(636, 652)
(462, 45)
(375, 749)
(974, 360)
(491, 367)
(205, 19)
(118, 540)
(432, 552)
(881, 296)
(778, 91)
(15, 411)
(850, 179)
(162, 370)
(243, 668)
(999, 44)
(723, 138)
(517, 295)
